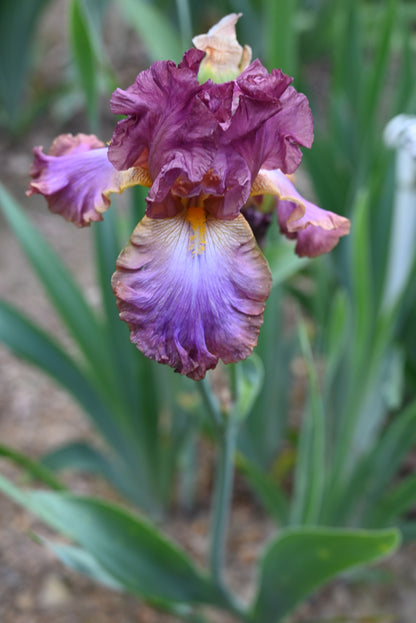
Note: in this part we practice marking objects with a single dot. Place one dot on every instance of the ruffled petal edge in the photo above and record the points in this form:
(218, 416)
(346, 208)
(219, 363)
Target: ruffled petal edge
(192, 289)
(317, 231)
(76, 178)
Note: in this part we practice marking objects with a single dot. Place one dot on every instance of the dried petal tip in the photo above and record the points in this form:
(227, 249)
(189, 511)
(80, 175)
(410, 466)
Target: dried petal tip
(224, 57)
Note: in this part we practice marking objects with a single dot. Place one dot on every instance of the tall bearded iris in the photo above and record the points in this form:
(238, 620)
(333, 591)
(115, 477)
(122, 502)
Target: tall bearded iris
(205, 136)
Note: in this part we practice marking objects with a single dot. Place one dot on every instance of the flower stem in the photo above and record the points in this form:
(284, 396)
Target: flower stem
(222, 498)
(211, 403)
(222, 495)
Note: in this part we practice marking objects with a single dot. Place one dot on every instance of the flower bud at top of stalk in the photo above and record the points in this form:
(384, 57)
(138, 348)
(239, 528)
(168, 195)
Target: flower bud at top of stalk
(224, 58)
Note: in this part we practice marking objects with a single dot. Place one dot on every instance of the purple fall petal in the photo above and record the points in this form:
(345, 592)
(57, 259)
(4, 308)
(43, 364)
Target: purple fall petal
(76, 178)
(317, 231)
(192, 288)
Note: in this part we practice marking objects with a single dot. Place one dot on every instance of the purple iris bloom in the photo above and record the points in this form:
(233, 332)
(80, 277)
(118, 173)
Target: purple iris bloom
(192, 282)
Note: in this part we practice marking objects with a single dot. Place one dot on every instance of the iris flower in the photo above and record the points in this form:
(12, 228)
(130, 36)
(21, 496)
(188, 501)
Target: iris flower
(206, 136)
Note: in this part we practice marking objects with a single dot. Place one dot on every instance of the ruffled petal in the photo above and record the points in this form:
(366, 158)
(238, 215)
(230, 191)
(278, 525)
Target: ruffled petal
(227, 185)
(316, 230)
(169, 129)
(76, 178)
(192, 288)
(208, 139)
(271, 122)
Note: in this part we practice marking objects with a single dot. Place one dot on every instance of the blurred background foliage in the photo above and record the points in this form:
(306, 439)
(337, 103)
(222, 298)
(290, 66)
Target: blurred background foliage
(355, 62)
(330, 410)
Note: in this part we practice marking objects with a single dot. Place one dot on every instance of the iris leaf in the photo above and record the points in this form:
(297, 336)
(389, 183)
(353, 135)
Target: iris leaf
(83, 562)
(125, 546)
(33, 468)
(160, 38)
(299, 560)
(61, 289)
(18, 22)
(266, 488)
(30, 342)
(83, 53)
(311, 460)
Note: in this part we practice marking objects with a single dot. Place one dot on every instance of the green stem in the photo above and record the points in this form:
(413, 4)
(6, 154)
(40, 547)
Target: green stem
(226, 428)
(211, 403)
(224, 483)
(222, 498)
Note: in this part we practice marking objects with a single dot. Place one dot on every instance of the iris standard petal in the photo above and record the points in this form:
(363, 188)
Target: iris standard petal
(316, 230)
(271, 122)
(208, 139)
(168, 129)
(192, 288)
(76, 178)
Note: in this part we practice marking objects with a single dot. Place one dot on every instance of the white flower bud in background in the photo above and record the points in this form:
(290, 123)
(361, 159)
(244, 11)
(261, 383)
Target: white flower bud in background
(400, 134)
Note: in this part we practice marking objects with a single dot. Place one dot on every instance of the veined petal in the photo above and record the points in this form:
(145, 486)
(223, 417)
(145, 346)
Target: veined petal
(76, 178)
(316, 230)
(192, 288)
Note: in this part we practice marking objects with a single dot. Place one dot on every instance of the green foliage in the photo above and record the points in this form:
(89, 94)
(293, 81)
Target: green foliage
(359, 422)
(83, 562)
(128, 548)
(82, 47)
(122, 551)
(311, 458)
(125, 406)
(160, 38)
(250, 374)
(354, 402)
(18, 24)
(301, 559)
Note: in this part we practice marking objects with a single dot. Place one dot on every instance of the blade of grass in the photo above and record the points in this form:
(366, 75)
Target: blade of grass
(35, 345)
(375, 83)
(33, 468)
(83, 53)
(311, 464)
(28, 341)
(159, 36)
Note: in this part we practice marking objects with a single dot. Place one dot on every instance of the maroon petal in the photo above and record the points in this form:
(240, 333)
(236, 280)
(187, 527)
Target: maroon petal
(271, 122)
(169, 129)
(208, 139)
